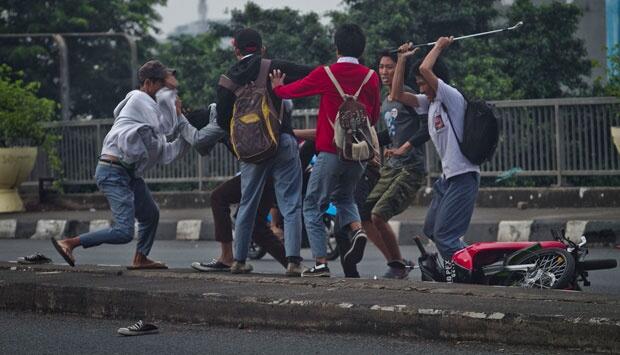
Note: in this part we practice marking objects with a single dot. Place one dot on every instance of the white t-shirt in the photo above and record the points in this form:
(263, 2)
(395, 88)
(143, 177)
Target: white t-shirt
(453, 162)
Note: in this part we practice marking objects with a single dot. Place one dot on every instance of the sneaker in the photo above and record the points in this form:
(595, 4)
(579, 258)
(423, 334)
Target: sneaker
(398, 270)
(320, 270)
(140, 328)
(240, 268)
(213, 265)
(36, 258)
(356, 253)
(295, 270)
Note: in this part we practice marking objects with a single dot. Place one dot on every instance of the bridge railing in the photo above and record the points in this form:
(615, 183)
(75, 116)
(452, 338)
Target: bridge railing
(547, 137)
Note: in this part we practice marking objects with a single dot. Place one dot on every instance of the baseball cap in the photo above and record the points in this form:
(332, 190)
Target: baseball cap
(154, 69)
(248, 40)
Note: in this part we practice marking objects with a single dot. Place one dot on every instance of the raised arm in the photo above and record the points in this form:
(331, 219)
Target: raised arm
(426, 68)
(397, 91)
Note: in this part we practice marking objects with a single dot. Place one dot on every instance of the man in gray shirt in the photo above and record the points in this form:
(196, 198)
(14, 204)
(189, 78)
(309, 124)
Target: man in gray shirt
(402, 174)
(138, 140)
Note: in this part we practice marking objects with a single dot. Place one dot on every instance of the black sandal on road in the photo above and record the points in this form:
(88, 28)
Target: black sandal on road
(36, 258)
(63, 253)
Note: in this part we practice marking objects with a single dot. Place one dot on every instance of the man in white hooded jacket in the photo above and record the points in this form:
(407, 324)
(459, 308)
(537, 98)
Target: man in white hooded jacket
(144, 122)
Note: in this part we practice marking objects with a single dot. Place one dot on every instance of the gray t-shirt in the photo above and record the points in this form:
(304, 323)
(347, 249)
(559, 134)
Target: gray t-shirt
(453, 162)
(402, 125)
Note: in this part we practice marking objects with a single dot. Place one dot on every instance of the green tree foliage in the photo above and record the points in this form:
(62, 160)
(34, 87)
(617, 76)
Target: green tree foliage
(99, 67)
(388, 24)
(545, 58)
(199, 61)
(612, 87)
(22, 113)
(287, 33)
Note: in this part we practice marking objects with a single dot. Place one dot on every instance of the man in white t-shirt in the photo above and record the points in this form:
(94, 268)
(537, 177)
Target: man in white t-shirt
(455, 192)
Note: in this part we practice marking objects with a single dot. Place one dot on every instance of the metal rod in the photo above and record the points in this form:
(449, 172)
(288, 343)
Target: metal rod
(519, 24)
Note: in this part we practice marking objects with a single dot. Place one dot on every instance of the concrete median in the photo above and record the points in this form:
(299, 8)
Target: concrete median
(398, 308)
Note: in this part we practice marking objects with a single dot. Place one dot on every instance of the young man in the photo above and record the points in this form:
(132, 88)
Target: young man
(402, 174)
(455, 192)
(284, 167)
(136, 142)
(331, 177)
(204, 137)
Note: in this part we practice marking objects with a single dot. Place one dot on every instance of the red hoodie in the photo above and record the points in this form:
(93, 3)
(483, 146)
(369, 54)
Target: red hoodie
(350, 77)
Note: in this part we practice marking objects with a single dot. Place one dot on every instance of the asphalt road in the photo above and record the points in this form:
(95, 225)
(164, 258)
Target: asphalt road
(180, 254)
(28, 333)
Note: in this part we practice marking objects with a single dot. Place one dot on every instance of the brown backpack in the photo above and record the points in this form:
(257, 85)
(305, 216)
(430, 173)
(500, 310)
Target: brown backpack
(355, 139)
(255, 124)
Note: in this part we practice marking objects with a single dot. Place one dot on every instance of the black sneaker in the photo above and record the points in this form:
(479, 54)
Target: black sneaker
(36, 258)
(140, 328)
(320, 270)
(356, 253)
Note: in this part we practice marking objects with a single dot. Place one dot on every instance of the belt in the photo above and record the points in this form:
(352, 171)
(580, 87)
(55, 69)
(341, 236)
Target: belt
(111, 162)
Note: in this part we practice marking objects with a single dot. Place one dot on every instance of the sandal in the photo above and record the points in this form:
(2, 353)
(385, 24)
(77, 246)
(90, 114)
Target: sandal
(68, 257)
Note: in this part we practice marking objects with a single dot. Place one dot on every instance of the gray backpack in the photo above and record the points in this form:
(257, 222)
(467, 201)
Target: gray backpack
(355, 139)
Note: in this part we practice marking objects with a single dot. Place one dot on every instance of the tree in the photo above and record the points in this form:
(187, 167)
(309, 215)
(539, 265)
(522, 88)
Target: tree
(286, 33)
(199, 61)
(99, 67)
(546, 59)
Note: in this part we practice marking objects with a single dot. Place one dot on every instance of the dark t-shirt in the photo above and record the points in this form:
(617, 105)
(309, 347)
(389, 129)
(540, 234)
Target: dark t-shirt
(404, 125)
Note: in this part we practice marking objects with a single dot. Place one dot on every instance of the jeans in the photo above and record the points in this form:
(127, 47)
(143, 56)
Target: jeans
(332, 179)
(450, 212)
(285, 168)
(128, 197)
(229, 193)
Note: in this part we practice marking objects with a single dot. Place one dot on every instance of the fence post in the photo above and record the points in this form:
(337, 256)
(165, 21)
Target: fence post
(559, 156)
(427, 153)
(200, 170)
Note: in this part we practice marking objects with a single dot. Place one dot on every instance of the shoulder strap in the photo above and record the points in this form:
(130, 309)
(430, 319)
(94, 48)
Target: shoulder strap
(336, 84)
(261, 80)
(451, 125)
(227, 83)
(370, 72)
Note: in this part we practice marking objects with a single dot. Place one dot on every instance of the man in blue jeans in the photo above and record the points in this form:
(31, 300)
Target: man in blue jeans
(136, 142)
(284, 167)
(455, 192)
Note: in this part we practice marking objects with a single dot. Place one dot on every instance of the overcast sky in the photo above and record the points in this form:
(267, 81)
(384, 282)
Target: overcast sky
(179, 12)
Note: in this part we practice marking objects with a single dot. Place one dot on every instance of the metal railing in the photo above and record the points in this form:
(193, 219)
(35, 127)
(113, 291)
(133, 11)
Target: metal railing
(548, 137)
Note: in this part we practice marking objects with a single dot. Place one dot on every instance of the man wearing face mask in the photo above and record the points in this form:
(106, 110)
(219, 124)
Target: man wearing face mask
(136, 142)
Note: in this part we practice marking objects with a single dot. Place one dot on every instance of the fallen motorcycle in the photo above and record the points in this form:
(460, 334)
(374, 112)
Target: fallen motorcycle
(557, 264)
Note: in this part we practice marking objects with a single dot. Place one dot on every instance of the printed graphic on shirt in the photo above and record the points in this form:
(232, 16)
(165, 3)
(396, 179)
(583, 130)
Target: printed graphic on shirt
(438, 121)
(390, 121)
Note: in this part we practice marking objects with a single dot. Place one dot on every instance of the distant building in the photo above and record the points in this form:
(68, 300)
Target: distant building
(599, 28)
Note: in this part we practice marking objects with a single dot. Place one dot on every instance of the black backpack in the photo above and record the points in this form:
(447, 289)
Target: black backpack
(480, 131)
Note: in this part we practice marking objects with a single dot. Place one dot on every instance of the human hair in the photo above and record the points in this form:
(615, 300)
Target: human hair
(248, 41)
(385, 52)
(350, 40)
(440, 69)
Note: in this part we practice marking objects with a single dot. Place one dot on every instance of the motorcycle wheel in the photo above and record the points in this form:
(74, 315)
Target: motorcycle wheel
(554, 269)
(332, 248)
(256, 252)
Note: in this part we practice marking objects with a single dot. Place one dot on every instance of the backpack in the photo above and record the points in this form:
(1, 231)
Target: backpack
(480, 131)
(255, 124)
(354, 138)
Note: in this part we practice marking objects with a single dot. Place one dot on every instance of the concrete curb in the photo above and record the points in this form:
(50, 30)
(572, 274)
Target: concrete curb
(405, 309)
(606, 232)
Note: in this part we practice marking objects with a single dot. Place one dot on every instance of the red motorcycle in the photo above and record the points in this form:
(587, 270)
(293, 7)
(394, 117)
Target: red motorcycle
(556, 264)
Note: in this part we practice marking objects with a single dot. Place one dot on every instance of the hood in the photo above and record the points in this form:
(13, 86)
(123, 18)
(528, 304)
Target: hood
(123, 103)
(245, 70)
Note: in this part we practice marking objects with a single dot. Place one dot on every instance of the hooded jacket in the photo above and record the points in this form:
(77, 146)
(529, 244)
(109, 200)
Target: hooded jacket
(138, 135)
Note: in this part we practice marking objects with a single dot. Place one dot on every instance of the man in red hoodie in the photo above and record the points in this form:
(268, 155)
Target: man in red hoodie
(332, 178)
